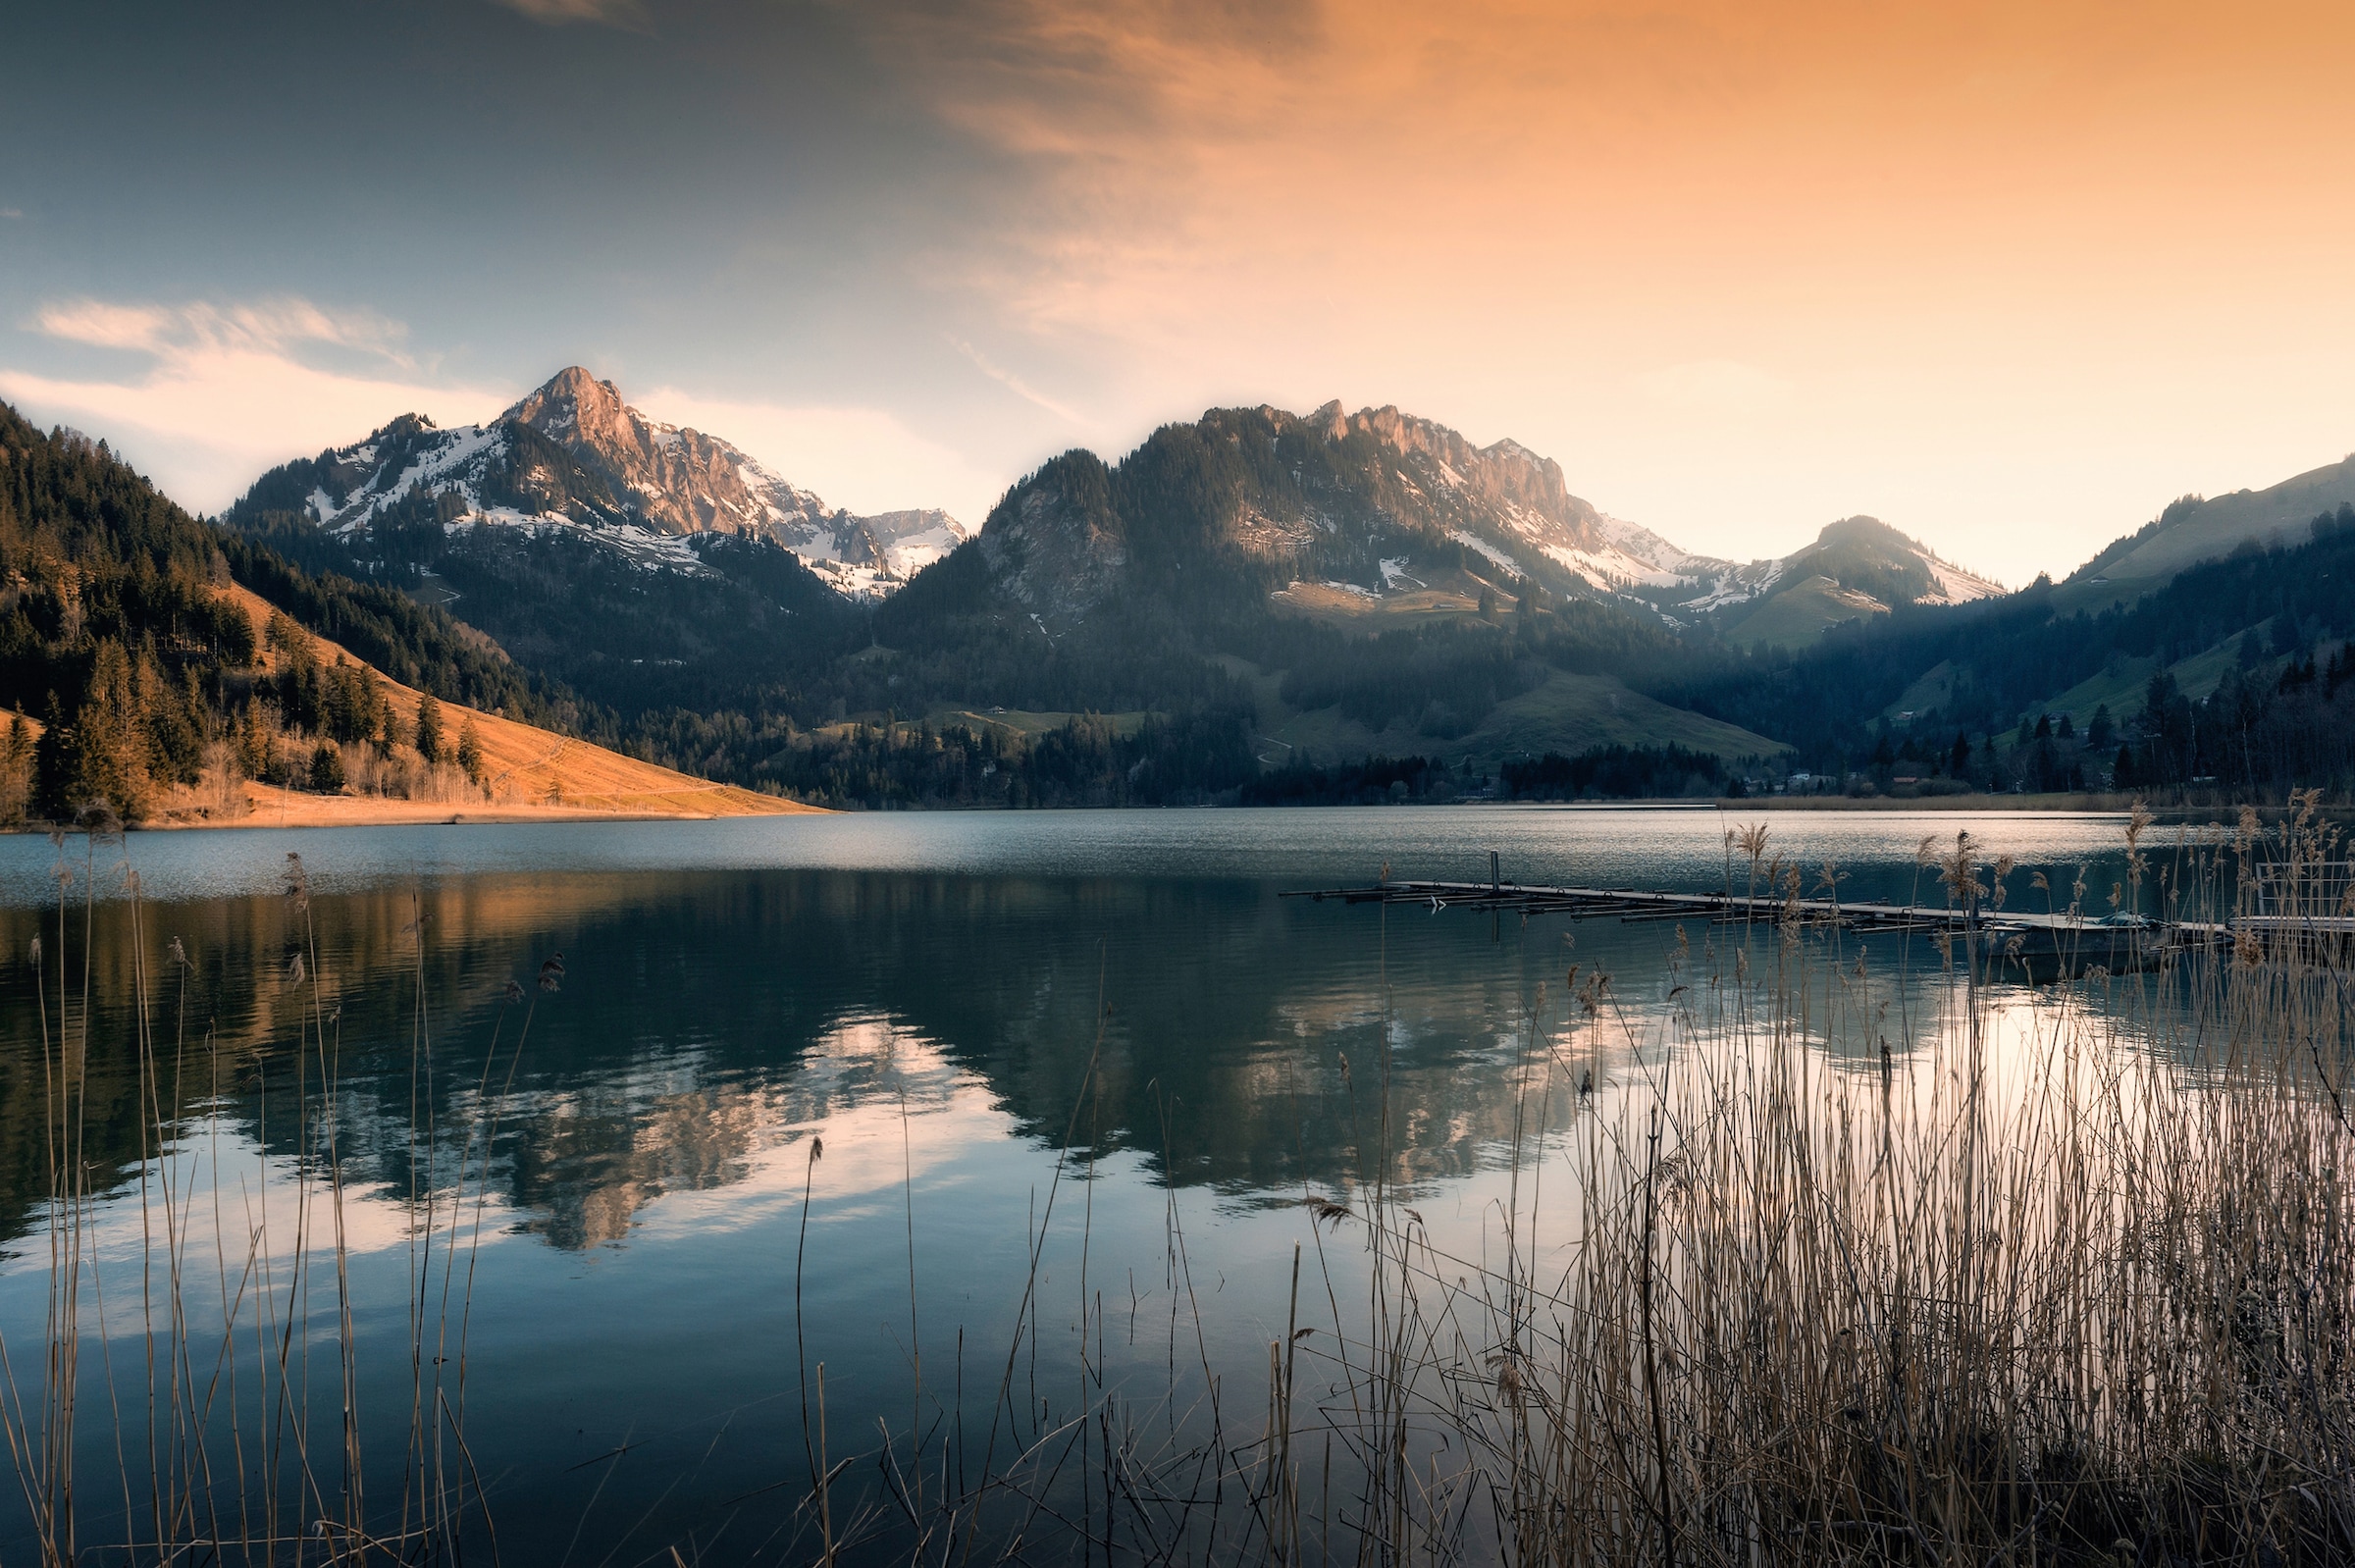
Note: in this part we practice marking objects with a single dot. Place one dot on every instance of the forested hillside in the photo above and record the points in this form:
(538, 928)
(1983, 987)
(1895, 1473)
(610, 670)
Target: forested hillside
(2230, 673)
(119, 639)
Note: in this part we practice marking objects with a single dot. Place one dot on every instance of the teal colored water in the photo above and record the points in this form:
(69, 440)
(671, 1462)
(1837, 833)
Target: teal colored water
(1112, 1015)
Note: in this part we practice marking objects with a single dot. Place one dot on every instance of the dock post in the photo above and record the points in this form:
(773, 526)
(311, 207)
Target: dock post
(1496, 877)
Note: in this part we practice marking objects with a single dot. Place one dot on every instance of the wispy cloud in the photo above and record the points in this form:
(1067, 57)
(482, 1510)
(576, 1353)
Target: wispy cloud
(271, 325)
(228, 389)
(1014, 385)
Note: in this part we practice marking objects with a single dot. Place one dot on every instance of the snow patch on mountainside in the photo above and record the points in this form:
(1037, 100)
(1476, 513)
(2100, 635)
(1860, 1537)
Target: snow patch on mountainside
(1672, 563)
(1737, 587)
(641, 548)
(1472, 541)
(1611, 570)
(1957, 586)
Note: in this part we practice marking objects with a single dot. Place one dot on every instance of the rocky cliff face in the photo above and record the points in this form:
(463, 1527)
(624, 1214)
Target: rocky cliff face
(1513, 507)
(677, 481)
(1505, 478)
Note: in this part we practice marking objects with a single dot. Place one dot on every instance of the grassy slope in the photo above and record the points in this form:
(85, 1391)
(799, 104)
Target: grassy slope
(1022, 722)
(532, 773)
(1448, 595)
(1568, 713)
(1934, 689)
(2277, 513)
(1571, 714)
(2122, 684)
(1799, 614)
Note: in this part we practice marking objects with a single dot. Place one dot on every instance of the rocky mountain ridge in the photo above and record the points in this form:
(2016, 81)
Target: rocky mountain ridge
(572, 455)
(1380, 504)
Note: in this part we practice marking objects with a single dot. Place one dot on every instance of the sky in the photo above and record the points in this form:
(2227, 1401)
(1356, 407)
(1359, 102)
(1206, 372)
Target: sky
(2008, 276)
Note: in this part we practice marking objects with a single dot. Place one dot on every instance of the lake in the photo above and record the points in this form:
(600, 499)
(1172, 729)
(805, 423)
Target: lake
(1067, 1072)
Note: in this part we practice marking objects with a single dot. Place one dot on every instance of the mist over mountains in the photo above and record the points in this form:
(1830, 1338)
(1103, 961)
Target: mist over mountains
(1265, 605)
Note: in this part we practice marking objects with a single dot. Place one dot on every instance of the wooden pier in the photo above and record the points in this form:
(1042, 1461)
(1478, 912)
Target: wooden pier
(2043, 944)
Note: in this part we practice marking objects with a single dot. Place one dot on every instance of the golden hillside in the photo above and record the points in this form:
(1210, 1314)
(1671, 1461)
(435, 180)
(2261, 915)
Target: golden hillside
(532, 775)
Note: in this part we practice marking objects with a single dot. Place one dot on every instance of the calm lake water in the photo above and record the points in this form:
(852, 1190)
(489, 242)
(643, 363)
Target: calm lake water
(940, 999)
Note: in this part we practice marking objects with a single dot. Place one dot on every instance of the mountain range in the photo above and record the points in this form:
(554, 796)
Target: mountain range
(1265, 605)
(1324, 584)
(573, 454)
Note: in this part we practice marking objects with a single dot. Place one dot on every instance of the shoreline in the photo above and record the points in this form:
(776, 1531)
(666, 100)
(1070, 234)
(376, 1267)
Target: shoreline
(2064, 805)
(269, 807)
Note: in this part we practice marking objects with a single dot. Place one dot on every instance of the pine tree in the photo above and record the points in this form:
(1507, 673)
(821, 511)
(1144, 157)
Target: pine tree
(100, 758)
(428, 728)
(16, 771)
(172, 714)
(257, 744)
(326, 768)
(470, 750)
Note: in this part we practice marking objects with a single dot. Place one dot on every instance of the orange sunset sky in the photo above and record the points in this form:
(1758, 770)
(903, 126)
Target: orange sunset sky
(2008, 276)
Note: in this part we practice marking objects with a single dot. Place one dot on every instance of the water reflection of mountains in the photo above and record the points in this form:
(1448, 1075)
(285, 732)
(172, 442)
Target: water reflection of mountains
(704, 1016)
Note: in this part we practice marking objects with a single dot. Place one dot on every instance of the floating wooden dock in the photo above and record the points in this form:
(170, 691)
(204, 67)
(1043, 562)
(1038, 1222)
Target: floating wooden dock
(2044, 944)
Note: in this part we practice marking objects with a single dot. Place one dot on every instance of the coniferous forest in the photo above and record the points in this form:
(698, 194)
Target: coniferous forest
(122, 644)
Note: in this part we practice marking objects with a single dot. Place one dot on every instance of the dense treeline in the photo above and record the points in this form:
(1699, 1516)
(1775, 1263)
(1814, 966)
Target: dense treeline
(1999, 658)
(1090, 759)
(1618, 772)
(118, 636)
(1376, 781)
(1440, 679)
(414, 644)
(2253, 735)
(1602, 773)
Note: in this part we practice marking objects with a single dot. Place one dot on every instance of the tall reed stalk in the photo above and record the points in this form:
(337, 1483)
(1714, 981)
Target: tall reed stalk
(207, 1370)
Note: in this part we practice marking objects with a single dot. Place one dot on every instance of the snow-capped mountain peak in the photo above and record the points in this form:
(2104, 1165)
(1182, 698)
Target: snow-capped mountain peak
(572, 453)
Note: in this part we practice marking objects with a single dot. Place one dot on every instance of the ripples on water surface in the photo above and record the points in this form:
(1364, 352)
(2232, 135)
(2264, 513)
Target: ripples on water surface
(923, 993)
